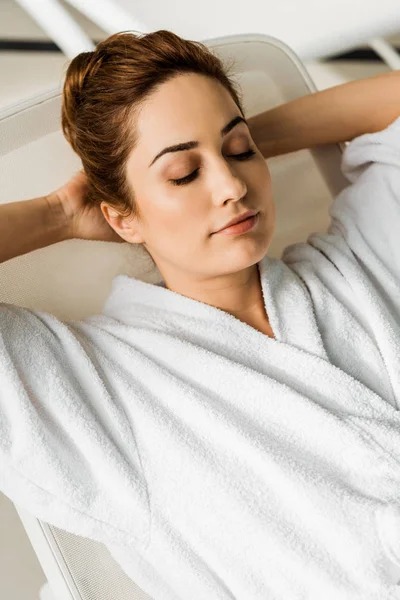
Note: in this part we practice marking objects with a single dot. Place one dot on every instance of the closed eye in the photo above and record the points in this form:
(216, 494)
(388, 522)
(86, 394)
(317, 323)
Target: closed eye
(193, 175)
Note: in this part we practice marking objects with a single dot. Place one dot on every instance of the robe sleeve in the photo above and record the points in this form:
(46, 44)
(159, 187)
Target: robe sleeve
(67, 452)
(366, 214)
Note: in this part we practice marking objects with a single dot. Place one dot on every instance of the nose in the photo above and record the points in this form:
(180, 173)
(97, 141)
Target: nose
(229, 185)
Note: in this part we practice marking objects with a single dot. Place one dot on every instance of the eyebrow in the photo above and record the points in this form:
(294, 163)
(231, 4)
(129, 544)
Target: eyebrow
(193, 144)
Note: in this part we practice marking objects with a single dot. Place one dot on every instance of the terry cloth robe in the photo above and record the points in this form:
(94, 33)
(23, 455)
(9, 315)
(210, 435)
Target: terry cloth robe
(213, 461)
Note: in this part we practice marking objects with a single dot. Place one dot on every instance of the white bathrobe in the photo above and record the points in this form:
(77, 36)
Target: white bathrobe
(215, 462)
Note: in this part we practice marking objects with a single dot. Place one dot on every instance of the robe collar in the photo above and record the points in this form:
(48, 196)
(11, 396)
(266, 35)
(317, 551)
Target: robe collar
(287, 302)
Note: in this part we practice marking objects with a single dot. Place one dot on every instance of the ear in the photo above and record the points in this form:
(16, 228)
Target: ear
(126, 227)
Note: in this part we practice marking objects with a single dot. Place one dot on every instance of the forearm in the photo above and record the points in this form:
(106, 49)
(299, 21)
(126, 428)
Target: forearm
(30, 224)
(334, 115)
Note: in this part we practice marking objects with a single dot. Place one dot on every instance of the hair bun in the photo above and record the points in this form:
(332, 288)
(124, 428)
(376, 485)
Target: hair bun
(80, 69)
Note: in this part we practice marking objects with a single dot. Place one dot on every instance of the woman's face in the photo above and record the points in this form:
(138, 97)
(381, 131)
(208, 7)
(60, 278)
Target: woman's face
(178, 221)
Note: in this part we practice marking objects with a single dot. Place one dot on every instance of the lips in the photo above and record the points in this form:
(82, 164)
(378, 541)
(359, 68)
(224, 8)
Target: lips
(238, 219)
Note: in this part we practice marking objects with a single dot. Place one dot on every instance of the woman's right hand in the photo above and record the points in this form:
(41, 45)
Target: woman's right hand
(84, 221)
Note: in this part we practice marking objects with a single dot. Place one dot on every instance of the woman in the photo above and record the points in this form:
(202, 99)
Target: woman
(235, 431)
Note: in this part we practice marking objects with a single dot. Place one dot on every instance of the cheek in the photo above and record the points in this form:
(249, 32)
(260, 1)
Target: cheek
(264, 170)
(264, 178)
(172, 218)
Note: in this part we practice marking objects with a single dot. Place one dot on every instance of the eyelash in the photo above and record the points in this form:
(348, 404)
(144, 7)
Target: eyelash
(192, 176)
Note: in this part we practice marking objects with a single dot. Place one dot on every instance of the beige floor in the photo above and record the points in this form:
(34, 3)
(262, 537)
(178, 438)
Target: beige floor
(22, 74)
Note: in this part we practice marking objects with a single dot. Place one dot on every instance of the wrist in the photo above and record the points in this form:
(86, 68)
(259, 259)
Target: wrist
(58, 221)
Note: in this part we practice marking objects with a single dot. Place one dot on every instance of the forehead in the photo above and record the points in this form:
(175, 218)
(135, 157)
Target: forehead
(181, 109)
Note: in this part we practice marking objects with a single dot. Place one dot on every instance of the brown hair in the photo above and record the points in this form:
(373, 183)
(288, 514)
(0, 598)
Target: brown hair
(103, 92)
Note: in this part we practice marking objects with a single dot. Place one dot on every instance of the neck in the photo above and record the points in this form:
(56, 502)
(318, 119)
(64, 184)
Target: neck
(239, 295)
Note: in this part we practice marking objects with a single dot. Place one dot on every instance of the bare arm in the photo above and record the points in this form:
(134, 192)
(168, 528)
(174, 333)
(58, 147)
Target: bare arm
(31, 224)
(337, 114)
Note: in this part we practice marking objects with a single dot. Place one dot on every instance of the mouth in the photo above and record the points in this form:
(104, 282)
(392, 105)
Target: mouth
(239, 219)
(243, 226)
